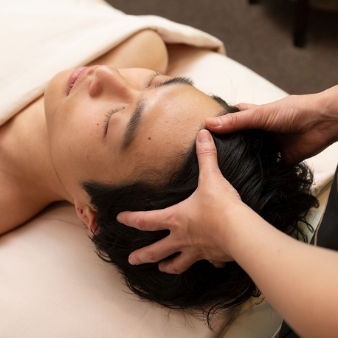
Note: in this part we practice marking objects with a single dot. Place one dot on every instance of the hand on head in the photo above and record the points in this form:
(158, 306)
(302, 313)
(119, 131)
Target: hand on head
(197, 225)
(201, 226)
(303, 125)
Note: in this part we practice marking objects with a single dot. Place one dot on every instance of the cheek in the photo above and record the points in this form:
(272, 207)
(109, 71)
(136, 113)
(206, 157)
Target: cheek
(72, 160)
(72, 143)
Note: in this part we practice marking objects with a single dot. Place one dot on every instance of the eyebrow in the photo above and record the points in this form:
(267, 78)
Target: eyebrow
(134, 121)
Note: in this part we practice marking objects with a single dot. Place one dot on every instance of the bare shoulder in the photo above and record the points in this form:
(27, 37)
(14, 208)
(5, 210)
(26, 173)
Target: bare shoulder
(145, 49)
(184, 53)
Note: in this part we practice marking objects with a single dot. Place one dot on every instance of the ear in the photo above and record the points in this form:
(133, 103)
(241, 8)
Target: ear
(87, 215)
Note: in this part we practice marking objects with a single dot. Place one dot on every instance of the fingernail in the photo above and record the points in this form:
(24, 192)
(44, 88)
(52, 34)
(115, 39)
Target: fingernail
(204, 136)
(214, 121)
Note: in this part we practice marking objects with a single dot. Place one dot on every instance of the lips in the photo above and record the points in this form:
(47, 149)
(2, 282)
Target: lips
(73, 77)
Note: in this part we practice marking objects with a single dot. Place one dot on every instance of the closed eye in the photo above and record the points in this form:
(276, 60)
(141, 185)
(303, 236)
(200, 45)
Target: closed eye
(176, 80)
(107, 118)
(152, 77)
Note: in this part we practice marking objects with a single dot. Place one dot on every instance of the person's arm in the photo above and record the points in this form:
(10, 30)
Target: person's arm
(303, 125)
(299, 280)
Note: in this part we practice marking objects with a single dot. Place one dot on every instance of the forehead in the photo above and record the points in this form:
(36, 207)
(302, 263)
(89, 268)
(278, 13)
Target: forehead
(168, 127)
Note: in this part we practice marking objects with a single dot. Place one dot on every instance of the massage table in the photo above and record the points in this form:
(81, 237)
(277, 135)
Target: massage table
(52, 283)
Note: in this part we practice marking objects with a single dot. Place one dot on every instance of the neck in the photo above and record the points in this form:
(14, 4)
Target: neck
(26, 156)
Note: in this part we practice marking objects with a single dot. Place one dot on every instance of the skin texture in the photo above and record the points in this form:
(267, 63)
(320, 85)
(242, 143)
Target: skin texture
(301, 290)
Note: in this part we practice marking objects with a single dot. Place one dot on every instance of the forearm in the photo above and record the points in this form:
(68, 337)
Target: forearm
(299, 280)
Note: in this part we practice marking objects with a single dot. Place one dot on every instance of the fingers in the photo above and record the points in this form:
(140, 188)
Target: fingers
(153, 253)
(147, 221)
(231, 122)
(218, 265)
(206, 153)
(182, 262)
(207, 160)
(177, 265)
(250, 117)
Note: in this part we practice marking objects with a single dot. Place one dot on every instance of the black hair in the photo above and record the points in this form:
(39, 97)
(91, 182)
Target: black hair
(250, 161)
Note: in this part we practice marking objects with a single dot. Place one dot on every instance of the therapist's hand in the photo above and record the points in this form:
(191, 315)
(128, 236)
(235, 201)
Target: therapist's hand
(303, 125)
(199, 226)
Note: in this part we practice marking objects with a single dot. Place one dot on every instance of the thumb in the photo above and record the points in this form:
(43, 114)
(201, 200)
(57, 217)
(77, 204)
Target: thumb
(206, 153)
(209, 171)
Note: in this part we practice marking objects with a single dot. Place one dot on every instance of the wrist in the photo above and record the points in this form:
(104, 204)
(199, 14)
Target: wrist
(236, 225)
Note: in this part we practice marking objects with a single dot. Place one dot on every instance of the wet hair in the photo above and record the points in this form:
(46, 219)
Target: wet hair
(250, 161)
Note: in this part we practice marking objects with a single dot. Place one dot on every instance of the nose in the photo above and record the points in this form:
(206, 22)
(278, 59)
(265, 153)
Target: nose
(108, 80)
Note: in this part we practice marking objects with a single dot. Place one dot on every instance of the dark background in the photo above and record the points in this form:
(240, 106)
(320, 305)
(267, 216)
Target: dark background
(260, 37)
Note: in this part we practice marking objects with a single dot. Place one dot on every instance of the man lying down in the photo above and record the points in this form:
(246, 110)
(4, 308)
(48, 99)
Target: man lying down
(119, 134)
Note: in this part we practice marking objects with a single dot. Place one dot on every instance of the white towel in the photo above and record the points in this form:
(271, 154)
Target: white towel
(74, 33)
